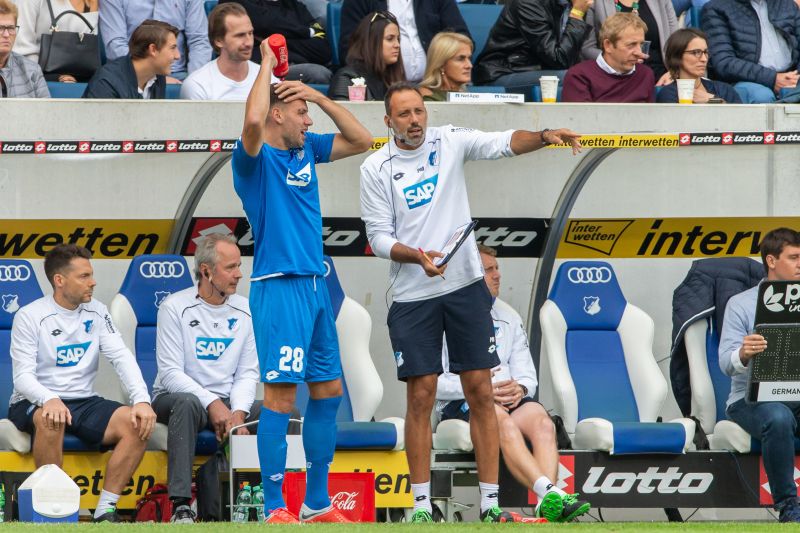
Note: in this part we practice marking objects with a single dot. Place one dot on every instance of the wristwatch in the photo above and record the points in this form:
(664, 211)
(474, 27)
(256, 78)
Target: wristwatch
(544, 141)
(524, 388)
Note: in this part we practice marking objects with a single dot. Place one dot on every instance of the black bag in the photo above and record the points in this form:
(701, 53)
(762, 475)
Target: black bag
(209, 490)
(67, 52)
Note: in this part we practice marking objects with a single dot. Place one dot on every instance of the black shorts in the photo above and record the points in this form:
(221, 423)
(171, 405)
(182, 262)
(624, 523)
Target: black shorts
(459, 410)
(90, 417)
(464, 316)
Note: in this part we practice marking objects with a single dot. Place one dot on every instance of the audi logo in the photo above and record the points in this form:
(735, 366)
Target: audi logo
(14, 272)
(589, 274)
(161, 269)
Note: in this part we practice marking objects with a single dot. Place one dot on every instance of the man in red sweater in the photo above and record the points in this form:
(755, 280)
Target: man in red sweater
(617, 75)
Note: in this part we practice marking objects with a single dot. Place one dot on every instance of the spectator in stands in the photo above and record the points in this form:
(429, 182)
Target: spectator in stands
(141, 74)
(658, 15)
(531, 39)
(754, 45)
(374, 55)
(687, 58)
(119, 18)
(207, 375)
(419, 22)
(617, 74)
(19, 76)
(398, 182)
(449, 66)
(309, 49)
(56, 343)
(232, 74)
(34, 20)
(773, 423)
(519, 416)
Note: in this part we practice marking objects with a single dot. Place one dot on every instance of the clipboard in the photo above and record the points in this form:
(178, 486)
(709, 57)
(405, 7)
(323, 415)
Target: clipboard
(454, 243)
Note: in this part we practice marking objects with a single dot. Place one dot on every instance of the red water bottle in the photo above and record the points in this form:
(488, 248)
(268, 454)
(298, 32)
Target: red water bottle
(277, 42)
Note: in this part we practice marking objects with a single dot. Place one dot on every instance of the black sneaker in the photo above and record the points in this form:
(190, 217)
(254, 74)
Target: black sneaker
(182, 514)
(495, 514)
(109, 516)
(790, 512)
(573, 508)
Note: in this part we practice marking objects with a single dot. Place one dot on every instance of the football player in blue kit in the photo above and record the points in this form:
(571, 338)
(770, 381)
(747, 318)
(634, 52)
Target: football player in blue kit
(274, 174)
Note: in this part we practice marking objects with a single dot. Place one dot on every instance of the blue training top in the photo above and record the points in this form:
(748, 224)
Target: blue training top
(280, 196)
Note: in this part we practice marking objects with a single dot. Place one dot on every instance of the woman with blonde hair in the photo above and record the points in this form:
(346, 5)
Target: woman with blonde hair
(449, 66)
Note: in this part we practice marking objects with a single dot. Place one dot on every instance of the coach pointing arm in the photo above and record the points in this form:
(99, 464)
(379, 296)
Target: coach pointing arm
(523, 141)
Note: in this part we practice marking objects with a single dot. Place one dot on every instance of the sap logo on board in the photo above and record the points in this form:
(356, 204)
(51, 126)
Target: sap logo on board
(71, 354)
(421, 193)
(210, 349)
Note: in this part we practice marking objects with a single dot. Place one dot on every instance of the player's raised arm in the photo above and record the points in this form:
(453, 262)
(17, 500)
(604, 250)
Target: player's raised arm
(257, 107)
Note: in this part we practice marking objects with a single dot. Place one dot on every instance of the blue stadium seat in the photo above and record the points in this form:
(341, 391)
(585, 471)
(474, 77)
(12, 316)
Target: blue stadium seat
(65, 90)
(210, 5)
(363, 389)
(321, 87)
(607, 385)
(334, 30)
(486, 89)
(173, 91)
(18, 287)
(149, 280)
(480, 19)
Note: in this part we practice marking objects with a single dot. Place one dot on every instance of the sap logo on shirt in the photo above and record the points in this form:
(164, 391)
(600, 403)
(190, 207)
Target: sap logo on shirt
(71, 354)
(210, 349)
(301, 178)
(420, 193)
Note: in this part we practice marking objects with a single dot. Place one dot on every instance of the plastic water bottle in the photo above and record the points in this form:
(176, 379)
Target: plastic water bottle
(241, 513)
(277, 42)
(258, 501)
(3, 503)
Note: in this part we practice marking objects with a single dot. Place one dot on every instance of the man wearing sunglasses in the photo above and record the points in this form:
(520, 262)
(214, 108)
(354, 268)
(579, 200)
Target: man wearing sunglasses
(19, 76)
(419, 21)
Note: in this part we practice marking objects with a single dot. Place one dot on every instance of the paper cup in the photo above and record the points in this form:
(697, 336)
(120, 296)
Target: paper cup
(357, 93)
(549, 86)
(685, 91)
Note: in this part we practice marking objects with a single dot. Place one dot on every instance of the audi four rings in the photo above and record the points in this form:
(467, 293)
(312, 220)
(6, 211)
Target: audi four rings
(589, 274)
(14, 272)
(161, 269)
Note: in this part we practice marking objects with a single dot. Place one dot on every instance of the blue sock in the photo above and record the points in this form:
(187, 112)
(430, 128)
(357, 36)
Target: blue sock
(271, 439)
(319, 442)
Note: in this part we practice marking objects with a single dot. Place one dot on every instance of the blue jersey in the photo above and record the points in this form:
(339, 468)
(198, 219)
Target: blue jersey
(280, 196)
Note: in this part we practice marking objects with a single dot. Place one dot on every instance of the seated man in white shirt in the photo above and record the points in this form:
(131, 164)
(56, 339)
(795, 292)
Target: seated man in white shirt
(56, 342)
(519, 416)
(207, 363)
(232, 74)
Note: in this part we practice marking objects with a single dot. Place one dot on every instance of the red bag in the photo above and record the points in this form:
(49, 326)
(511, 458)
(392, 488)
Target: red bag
(155, 505)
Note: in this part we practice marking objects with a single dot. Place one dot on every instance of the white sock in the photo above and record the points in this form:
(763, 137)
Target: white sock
(488, 495)
(543, 485)
(108, 500)
(422, 496)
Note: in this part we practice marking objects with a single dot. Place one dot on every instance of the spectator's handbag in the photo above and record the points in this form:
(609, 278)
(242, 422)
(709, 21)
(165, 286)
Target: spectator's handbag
(69, 52)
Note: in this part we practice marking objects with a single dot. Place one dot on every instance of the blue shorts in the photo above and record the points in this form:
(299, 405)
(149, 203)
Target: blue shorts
(295, 330)
(90, 417)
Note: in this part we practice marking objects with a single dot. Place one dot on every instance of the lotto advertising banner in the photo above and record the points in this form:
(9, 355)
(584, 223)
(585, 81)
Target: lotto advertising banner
(106, 239)
(352, 493)
(647, 238)
(695, 479)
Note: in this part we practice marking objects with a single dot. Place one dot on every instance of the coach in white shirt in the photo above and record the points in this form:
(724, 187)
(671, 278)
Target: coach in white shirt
(232, 74)
(56, 342)
(207, 363)
(413, 198)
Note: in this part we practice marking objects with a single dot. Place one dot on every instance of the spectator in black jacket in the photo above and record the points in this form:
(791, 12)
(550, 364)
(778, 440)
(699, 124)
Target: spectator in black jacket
(419, 21)
(531, 39)
(141, 74)
(374, 55)
(754, 45)
(309, 50)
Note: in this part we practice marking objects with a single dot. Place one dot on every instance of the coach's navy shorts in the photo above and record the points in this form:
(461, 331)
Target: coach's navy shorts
(463, 316)
(90, 417)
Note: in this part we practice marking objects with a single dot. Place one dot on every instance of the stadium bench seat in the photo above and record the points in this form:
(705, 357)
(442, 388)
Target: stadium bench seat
(334, 30)
(18, 287)
(149, 280)
(210, 5)
(65, 90)
(480, 19)
(607, 385)
(536, 93)
(363, 390)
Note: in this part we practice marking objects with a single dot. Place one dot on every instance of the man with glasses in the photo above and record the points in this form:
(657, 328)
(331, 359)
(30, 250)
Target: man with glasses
(19, 76)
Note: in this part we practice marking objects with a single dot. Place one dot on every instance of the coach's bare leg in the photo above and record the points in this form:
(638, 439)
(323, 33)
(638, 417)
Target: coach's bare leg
(420, 395)
(48, 442)
(477, 385)
(128, 450)
(279, 397)
(537, 426)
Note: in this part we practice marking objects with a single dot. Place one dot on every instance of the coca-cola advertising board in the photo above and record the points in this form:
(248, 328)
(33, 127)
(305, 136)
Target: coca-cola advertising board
(353, 493)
